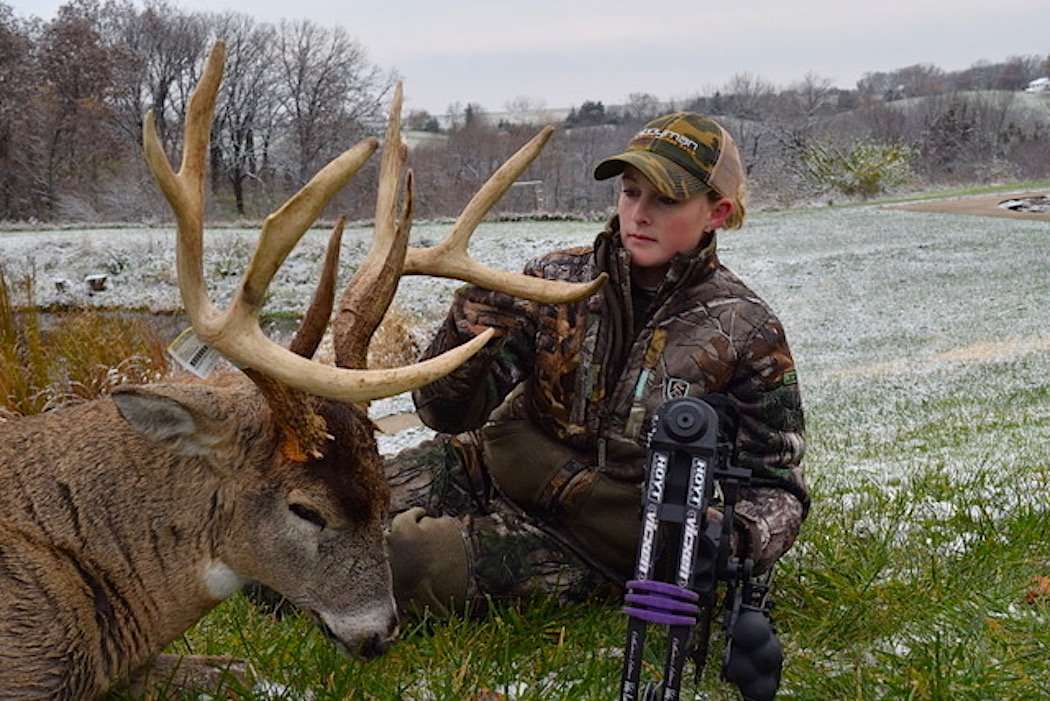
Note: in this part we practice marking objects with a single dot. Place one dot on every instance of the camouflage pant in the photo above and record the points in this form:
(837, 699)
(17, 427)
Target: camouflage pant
(510, 557)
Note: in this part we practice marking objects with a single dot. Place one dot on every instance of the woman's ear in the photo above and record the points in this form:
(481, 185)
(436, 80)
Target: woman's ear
(720, 211)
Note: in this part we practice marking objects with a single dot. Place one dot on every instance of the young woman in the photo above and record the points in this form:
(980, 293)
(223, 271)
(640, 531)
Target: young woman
(542, 495)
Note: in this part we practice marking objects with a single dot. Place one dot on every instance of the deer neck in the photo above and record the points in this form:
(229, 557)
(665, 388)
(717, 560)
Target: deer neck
(142, 549)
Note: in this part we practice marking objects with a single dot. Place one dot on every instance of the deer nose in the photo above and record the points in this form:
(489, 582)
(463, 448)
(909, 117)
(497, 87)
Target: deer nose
(375, 646)
(378, 644)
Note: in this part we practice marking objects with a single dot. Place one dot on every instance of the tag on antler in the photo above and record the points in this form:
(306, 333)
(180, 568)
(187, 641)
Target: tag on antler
(193, 354)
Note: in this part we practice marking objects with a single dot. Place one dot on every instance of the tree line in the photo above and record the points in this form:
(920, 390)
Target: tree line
(73, 92)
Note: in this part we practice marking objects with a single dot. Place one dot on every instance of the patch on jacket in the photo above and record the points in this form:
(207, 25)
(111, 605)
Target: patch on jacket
(675, 388)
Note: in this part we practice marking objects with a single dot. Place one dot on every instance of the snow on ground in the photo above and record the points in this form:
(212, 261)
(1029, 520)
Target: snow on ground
(140, 264)
(903, 303)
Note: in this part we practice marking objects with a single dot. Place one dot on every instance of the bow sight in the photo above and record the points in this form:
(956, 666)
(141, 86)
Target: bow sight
(684, 554)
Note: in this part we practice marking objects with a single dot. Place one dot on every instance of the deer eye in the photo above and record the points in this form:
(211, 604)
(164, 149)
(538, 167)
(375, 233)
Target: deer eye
(308, 514)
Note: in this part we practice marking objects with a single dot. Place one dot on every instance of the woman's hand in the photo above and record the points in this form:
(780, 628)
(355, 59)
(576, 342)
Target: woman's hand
(477, 309)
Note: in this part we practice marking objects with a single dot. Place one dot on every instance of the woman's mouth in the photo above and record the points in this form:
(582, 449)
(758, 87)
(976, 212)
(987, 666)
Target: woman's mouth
(641, 237)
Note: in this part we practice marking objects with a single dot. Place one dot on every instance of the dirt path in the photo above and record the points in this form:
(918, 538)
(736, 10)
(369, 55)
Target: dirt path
(395, 423)
(980, 205)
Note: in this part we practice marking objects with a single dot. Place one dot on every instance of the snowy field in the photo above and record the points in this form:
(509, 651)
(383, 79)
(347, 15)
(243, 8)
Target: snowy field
(885, 309)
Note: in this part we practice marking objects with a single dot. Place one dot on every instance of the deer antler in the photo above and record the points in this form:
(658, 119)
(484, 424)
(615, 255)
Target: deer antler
(450, 258)
(315, 321)
(235, 332)
(368, 295)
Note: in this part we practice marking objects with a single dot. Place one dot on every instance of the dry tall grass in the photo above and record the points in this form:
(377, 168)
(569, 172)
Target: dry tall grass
(84, 355)
(393, 344)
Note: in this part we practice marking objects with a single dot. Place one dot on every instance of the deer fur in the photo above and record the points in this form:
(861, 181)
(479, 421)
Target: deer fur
(123, 521)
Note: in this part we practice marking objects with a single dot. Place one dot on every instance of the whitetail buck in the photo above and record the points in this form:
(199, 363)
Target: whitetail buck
(124, 520)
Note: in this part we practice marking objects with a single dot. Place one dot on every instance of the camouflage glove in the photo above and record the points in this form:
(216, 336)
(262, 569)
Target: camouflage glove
(476, 309)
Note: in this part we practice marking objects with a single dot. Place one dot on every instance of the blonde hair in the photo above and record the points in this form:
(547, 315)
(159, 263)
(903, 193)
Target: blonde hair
(735, 220)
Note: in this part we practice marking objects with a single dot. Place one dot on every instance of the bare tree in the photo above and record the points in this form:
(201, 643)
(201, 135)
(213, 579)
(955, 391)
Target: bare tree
(154, 47)
(329, 92)
(748, 96)
(525, 110)
(921, 79)
(876, 85)
(813, 94)
(18, 80)
(1018, 71)
(793, 118)
(641, 107)
(961, 134)
(454, 115)
(980, 75)
(77, 68)
(247, 101)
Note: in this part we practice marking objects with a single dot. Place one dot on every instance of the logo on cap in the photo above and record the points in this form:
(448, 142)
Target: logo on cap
(668, 135)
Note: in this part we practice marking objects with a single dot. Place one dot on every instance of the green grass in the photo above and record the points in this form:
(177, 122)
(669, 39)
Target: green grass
(930, 479)
(906, 586)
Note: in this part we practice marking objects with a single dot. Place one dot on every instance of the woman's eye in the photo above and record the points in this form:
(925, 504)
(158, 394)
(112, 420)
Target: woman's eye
(669, 201)
(629, 192)
(308, 514)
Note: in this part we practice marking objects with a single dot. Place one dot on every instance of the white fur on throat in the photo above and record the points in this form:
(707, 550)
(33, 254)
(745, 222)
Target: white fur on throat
(220, 581)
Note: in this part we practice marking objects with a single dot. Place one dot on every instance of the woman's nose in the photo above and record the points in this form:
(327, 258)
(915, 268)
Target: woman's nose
(640, 213)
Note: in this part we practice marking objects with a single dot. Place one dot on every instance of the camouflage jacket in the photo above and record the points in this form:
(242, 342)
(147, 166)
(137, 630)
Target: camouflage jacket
(587, 382)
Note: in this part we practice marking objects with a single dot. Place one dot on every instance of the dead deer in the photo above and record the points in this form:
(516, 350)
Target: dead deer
(125, 520)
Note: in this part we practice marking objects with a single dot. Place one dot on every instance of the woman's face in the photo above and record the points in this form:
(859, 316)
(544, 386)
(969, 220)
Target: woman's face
(654, 227)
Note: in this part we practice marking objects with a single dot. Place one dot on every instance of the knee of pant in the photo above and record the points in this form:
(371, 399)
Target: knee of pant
(466, 467)
(428, 557)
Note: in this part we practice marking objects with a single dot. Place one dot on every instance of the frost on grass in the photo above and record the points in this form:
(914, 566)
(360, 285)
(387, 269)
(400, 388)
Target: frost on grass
(888, 314)
(140, 264)
(409, 438)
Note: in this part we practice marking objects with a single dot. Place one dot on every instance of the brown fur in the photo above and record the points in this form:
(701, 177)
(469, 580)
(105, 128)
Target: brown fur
(112, 511)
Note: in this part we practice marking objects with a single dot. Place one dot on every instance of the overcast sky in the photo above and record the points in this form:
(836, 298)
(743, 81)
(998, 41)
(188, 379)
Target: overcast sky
(564, 52)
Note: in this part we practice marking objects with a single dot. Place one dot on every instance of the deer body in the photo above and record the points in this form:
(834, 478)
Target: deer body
(123, 521)
(118, 535)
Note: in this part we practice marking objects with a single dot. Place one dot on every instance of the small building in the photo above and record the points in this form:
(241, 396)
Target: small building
(1039, 85)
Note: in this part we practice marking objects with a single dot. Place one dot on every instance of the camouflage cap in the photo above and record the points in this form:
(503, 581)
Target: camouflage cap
(682, 154)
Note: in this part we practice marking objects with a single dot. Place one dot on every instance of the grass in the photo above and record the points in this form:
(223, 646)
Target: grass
(915, 575)
(960, 191)
(44, 368)
(901, 587)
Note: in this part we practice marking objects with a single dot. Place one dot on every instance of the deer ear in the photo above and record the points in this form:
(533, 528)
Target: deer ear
(176, 420)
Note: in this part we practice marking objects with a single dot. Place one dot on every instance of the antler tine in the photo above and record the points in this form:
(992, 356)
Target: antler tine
(315, 321)
(283, 229)
(369, 293)
(450, 258)
(236, 333)
(494, 188)
(185, 190)
(185, 193)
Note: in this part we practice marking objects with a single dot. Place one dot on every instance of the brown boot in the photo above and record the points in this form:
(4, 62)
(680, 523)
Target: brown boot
(429, 560)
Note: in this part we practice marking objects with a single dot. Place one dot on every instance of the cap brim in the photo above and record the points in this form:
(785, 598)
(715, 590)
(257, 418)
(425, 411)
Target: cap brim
(656, 169)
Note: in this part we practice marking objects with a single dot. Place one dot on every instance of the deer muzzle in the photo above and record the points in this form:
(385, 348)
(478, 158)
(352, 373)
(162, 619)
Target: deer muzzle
(366, 634)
